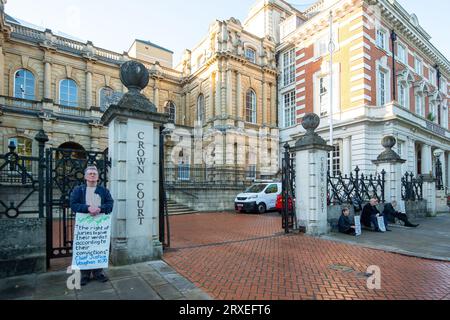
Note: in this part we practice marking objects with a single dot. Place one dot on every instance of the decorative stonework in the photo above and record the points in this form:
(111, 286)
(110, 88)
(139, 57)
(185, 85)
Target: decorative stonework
(311, 139)
(388, 155)
(135, 76)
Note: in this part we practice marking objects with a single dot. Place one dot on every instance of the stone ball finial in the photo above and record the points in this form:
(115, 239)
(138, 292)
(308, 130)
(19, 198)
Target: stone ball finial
(388, 142)
(134, 75)
(311, 122)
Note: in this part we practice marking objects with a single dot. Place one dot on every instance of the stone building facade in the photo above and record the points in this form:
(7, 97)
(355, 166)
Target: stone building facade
(388, 79)
(221, 97)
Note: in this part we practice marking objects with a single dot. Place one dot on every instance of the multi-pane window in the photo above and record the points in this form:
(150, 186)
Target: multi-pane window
(418, 66)
(201, 108)
(68, 93)
(250, 54)
(433, 77)
(433, 112)
(401, 53)
(23, 148)
(289, 67)
(106, 95)
(419, 105)
(289, 109)
(382, 88)
(336, 160)
(24, 84)
(251, 171)
(250, 106)
(402, 95)
(170, 110)
(381, 39)
(324, 100)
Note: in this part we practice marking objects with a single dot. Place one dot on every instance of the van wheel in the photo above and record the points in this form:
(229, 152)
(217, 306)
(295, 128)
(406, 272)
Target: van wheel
(261, 208)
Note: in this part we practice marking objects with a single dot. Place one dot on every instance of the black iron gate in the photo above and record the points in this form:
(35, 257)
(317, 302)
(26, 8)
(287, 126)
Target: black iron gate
(288, 192)
(65, 171)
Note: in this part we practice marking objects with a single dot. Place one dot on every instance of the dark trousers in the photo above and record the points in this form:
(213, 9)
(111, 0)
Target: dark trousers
(374, 220)
(349, 231)
(87, 273)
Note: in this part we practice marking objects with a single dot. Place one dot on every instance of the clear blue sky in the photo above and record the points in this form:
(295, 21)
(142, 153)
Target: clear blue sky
(176, 24)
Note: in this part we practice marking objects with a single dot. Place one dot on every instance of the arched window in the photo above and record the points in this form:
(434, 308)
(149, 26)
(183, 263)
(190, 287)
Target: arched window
(106, 94)
(201, 108)
(170, 110)
(24, 84)
(250, 106)
(68, 93)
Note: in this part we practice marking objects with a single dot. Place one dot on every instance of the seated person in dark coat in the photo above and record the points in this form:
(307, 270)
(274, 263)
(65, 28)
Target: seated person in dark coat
(345, 225)
(370, 214)
(391, 212)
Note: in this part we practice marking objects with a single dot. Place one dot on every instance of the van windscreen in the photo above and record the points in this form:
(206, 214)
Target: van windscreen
(256, 188)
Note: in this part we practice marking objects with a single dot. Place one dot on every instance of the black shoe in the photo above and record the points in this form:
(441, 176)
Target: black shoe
(101, 277)
(84, 281)
(388, 230)
(410, 225)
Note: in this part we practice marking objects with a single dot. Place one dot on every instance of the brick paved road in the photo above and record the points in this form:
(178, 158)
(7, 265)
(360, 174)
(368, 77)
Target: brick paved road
(248, 257)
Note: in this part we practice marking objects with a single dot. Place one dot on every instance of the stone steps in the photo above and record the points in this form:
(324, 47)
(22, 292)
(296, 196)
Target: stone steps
(175, 208)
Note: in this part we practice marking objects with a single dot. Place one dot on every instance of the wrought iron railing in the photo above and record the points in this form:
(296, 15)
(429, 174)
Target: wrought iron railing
(412, 187)
(185, 175)
(344, 189)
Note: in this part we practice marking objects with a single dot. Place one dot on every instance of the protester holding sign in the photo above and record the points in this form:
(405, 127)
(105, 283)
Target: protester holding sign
(371, 214)
(93, 200)
(344, 224)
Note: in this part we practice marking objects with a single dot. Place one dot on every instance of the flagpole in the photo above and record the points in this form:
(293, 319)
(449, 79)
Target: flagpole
(331, 51)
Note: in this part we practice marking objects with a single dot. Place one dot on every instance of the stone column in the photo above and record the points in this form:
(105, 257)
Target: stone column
(47, 81)
(389, 164)
(311, 179)
(211, 108)
(219, 93)
(427, 167)
(273, 105)
(448, 169)
(133, 127)
(264, 103)
(229, 98)
(239, 104)
(88, 89)
(347, 156)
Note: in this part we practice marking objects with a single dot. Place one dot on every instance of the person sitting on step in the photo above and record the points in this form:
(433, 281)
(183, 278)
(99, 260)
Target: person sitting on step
(370, 214)
(345, 225)
(390, 211)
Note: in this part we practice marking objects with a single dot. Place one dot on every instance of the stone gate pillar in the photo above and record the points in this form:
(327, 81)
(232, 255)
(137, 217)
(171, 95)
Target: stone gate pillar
(134, 129)
(390, 163)
(311, 168)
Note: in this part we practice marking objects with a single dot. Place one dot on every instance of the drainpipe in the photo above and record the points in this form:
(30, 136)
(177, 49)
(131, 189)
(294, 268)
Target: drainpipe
(394, 76)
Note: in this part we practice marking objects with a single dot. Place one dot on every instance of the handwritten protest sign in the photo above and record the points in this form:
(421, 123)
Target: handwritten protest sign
(358, 230)
(381, 225)
(91, 241)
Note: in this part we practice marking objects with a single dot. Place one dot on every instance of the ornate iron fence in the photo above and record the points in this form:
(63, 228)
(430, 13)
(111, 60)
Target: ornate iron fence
(412, 187)
(22, 182)
(190, 176)
(343, 189)
(288, 192)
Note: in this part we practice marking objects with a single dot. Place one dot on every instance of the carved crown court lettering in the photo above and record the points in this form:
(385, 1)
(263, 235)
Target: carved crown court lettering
(141, 170)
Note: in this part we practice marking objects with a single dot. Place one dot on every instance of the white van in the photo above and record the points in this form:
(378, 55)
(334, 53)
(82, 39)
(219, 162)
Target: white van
(260, 197)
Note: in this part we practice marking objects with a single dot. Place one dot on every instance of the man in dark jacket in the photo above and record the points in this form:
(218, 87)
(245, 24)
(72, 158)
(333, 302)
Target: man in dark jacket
(391, 212)
(94, 200)
(344, 224)
(370, 216)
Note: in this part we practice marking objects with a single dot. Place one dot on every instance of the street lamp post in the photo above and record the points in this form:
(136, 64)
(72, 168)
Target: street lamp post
(331, 48)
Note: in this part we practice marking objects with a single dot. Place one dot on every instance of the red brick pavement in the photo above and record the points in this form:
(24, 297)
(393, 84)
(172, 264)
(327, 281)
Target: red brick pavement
(246, 257)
